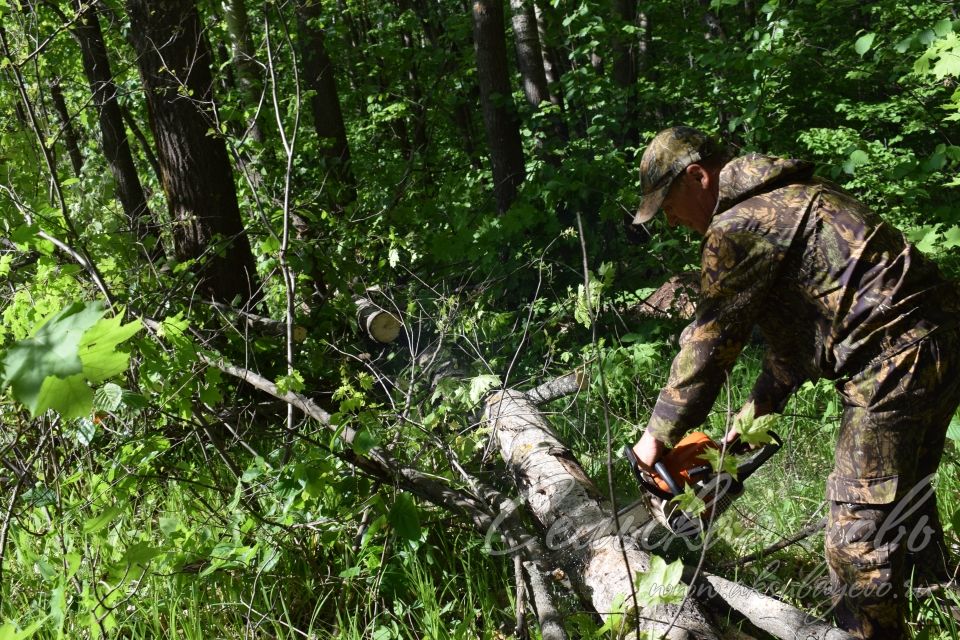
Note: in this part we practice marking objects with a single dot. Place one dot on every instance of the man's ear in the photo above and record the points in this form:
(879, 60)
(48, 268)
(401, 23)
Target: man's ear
(700, 174)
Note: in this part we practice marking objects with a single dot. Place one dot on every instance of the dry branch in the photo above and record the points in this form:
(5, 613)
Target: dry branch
(558, 387)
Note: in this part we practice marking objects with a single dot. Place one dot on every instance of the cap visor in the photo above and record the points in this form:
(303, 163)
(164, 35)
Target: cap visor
(651, 204)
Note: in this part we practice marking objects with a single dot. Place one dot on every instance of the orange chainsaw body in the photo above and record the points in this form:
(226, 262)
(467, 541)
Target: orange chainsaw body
(686, 459)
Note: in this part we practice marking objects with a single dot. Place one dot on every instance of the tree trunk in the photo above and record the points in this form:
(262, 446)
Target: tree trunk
(416, 97)
(113, 136)
(145, 146)
(499, 116)
(529, 56)
(625, 50)
(174, 64)
(248, 72)
(66, 125)
(325, 104)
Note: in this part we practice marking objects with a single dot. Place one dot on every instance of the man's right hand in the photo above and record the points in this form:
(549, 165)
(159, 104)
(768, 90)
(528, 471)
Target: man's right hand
(648, 450)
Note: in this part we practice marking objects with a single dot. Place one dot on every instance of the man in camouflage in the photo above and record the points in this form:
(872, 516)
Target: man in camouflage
(836, 293)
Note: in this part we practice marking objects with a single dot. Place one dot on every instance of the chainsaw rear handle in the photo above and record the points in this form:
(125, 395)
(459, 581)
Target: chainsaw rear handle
(641, 478)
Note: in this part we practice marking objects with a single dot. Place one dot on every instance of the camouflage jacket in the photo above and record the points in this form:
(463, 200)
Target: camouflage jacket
(831, 287)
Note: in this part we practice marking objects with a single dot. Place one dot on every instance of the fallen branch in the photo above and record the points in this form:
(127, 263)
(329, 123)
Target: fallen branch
(558, 387)
(551, 624)
(773, 616)
(806, 532)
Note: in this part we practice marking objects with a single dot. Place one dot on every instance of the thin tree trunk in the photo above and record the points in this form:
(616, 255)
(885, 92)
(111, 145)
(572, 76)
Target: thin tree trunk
(416, 97)
(529, 56)
(174, 64)
(66, 124)
(244, 60)
(499, 116)
(530, 60)
(328, 122)
(625, 50)
(145, 146)
(113, 136)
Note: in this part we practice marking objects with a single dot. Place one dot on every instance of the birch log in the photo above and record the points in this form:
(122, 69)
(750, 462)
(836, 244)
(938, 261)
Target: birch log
(601, 565)
(777, 618)
(378, 323)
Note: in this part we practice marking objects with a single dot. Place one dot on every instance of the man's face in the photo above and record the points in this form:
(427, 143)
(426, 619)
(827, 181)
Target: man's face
(690, 201)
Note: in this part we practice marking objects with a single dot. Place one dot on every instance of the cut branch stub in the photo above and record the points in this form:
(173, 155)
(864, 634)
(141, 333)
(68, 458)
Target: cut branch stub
(378, 323)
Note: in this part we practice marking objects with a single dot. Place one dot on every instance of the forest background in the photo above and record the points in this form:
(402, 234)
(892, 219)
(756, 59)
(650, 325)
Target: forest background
(197, 193)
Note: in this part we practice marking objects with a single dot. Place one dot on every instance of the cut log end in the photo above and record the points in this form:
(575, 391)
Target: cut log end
(379, 324)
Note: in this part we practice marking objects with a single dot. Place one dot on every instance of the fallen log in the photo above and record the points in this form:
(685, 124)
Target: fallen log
(582, 532)
(600, 564)
(376, 322)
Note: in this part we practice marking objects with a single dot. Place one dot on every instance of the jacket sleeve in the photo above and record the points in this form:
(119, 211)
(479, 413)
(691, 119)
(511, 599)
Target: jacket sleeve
(777, 380)
(737, 270)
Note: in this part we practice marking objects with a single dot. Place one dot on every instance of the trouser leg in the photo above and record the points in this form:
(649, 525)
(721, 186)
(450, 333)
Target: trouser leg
(891, 438)
(866, 571)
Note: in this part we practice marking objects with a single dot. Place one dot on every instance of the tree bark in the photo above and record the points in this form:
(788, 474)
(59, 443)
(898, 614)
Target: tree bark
(66, 124)
(529, 55)
(499, 115)
(113, 136)
(145, 146)
(248, 72)
(328, 122)
(174, 64)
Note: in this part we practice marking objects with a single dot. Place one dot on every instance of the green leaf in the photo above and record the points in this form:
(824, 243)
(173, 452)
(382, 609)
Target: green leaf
(169, 525)
(754, 431)
(661, 583)
(109, 397)
(141, 553)
(863, 43)
(51, 351)
(10, 631)
(953, 431)
(943, 27)
(71, 397)
(363, 442)
(98, 352)
(689, 501)
(480, 385)
(404, 517)
(293, 382)
(951, 238)
(100, 521)
(720, 461)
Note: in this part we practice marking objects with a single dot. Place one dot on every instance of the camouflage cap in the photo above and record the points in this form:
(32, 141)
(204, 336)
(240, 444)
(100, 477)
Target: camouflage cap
(665, 158)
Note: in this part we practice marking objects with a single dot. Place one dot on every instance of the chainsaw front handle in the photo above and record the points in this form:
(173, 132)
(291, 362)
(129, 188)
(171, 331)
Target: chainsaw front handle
(758, 457)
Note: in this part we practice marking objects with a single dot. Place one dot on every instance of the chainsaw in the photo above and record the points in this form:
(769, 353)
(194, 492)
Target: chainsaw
(685, 466)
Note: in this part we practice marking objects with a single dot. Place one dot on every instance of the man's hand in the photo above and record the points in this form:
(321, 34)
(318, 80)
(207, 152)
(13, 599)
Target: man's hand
(648, 450)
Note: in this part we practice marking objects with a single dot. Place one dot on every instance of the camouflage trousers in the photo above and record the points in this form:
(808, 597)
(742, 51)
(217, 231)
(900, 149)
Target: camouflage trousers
(882, 505)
